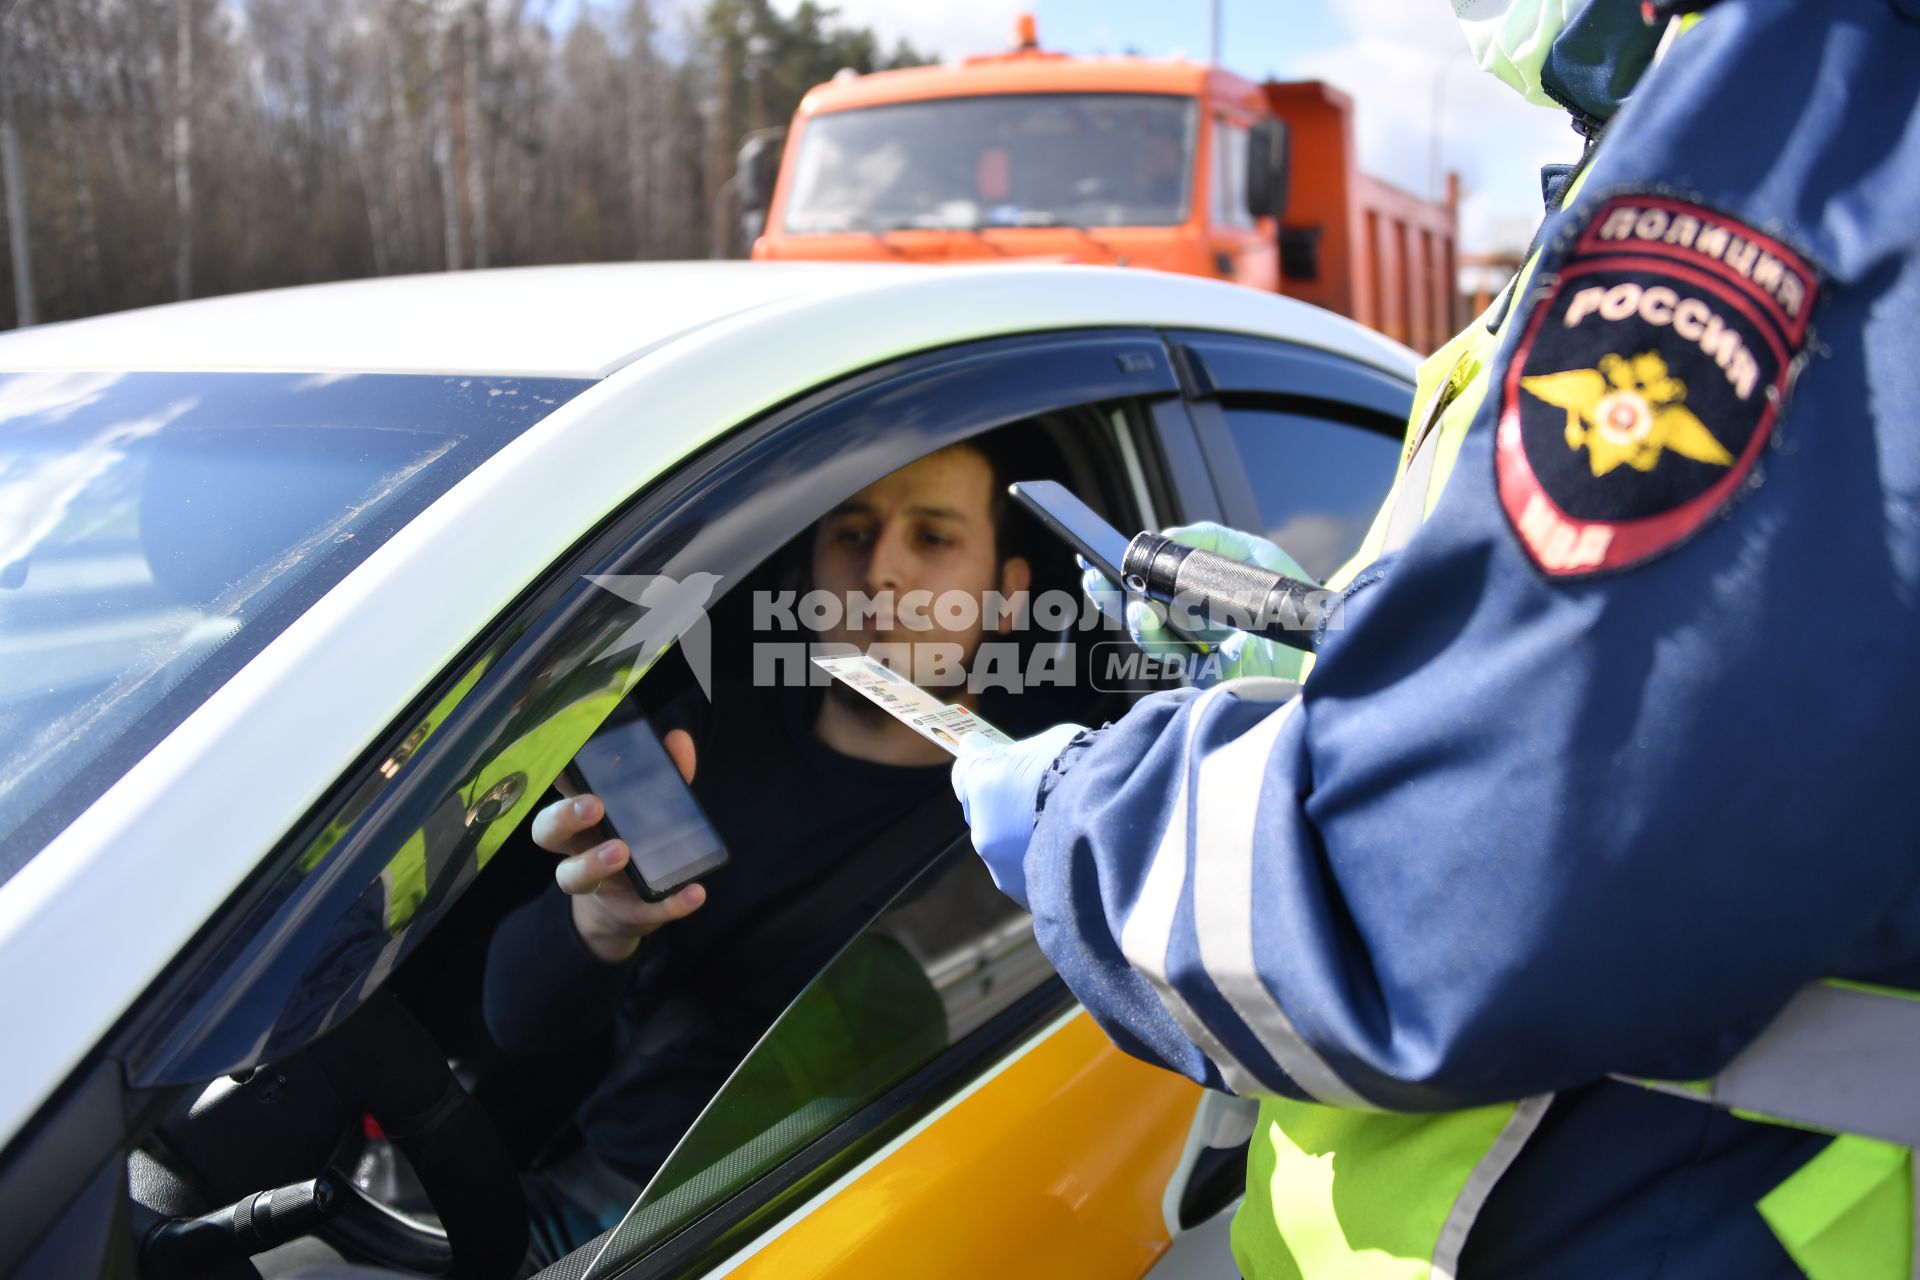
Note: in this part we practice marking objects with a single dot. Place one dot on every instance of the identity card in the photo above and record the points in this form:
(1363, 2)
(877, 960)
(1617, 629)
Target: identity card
(953, 727)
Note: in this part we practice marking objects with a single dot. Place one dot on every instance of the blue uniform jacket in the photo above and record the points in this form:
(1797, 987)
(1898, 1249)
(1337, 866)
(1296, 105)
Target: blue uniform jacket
(1619, 752)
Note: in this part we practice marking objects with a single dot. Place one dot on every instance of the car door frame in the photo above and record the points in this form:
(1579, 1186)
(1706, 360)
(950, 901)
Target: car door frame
(1199, 476)
(1172, 482)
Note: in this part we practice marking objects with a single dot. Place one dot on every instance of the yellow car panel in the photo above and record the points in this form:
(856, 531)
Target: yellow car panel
(1056, 1167)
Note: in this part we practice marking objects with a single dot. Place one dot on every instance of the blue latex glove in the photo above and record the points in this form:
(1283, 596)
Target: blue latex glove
(1240, 654)
(998, 790)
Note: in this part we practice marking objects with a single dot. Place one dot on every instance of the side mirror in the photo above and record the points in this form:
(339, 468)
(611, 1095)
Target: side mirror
(758, 169)
(1268, 164)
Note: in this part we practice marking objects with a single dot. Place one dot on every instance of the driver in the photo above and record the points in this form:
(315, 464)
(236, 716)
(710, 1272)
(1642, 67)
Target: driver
(792, 789)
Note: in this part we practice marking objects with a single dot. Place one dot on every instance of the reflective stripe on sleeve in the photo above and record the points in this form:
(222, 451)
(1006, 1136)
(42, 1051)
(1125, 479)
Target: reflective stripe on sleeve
(1148, 932)
(1226, 811)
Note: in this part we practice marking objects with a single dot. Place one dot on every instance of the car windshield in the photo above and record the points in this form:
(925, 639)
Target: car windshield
(157, 530)
(1034, 160)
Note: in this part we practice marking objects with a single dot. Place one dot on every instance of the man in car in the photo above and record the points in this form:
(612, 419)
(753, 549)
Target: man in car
(793, 785)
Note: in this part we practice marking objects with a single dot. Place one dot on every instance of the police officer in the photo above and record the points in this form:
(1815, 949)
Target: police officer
(1610, 763)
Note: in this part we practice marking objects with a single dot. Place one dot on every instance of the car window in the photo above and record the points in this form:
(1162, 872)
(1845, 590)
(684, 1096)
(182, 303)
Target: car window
(934, 967)
(317, 929)
(948, 956)
(1000, 161)
(1230, 175)
(1317, 482)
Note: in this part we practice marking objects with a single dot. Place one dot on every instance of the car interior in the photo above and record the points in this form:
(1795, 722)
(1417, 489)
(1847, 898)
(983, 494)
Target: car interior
(405, 1140)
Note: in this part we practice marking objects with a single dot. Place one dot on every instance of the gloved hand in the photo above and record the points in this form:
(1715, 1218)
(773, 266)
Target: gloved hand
(1240, 654)
(998, 789)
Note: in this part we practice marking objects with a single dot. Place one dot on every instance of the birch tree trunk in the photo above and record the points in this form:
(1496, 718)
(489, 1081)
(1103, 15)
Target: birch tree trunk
(183, 152)
(443, 138)
(400, 170)
(14, 173)
(370, 192)
(473, 78)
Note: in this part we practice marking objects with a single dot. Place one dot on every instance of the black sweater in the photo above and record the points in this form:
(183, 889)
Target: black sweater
(695, 997)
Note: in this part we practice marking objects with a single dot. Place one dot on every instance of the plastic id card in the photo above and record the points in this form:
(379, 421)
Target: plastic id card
(953, 727)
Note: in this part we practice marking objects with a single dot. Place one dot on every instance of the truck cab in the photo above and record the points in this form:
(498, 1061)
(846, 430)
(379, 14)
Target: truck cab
(1121, 161)
(1034, 154)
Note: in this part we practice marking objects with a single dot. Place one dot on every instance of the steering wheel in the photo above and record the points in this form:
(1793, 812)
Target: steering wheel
(380, 1062)
(383, 1063)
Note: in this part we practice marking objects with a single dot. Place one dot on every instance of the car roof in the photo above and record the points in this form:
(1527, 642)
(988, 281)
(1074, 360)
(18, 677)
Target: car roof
(582, 321)
(579, 321)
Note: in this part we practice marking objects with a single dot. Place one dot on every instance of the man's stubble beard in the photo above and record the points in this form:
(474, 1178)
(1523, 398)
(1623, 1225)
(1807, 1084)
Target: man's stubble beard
(857, 704)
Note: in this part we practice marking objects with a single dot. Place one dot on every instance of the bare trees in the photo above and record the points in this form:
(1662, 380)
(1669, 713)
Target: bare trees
(13, 173)
(166, 148)
(183, 148)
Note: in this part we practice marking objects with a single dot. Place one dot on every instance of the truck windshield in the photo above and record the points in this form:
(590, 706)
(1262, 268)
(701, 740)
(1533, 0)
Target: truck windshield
(1032, 160)
(158, 529)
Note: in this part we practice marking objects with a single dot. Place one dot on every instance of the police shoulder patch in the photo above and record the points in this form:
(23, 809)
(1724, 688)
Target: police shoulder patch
(1646, 383)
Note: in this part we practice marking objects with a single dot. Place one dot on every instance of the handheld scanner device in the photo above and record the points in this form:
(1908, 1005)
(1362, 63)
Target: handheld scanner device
(1195, 584)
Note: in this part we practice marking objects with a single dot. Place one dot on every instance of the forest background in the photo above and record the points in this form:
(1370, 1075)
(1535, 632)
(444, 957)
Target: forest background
(153, 150)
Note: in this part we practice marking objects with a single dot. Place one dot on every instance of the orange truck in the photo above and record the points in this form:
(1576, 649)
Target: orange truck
(1122, 161)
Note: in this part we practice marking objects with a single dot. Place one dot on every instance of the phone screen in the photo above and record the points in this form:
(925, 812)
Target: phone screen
(669, 840)
(1061, 511)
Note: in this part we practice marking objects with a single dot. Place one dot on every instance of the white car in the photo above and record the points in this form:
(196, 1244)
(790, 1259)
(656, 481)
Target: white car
(299, 625)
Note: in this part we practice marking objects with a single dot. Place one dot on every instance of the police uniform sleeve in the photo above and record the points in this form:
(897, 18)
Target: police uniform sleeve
(1614, 756)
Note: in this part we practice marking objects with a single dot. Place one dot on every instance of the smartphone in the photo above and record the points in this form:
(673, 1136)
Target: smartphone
(1077, 524)
(1082, 528)
(670, 842)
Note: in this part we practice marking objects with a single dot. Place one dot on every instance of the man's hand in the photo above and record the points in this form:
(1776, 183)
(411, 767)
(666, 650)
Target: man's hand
(997, 791)
(609, 916)
(1240, 654)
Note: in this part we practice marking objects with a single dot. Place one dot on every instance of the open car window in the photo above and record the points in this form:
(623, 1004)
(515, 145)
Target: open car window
(945, 958)
(934, 967)
(821, 839)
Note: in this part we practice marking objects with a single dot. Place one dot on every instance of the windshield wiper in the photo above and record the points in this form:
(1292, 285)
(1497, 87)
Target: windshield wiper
(1047, 218)
(879, 235)
(916, 224)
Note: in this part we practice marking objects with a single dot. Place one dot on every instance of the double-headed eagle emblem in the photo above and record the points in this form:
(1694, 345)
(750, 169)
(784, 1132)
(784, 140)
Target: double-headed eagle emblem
(1628, 411)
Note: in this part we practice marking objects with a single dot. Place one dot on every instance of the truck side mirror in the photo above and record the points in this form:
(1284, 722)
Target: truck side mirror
(758, 169)
(1268, 164)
